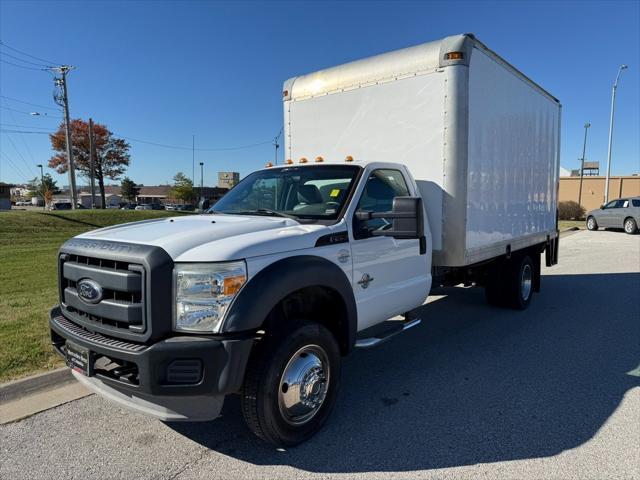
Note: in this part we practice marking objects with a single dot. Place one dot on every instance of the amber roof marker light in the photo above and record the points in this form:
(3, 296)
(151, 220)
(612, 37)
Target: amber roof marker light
(303, 160)
(319, 159)
(454, 56)
(348, 158)
(289, 161)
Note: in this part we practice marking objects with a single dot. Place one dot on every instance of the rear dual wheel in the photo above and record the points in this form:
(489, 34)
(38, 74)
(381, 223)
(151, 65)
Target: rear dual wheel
(510, 283)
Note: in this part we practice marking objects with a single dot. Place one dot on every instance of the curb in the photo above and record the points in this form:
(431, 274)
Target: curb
(569, 231)
(28, 386)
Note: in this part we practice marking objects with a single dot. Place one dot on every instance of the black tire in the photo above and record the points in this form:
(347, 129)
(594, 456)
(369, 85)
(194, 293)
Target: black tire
(520, 270)
(630, 226)
(592, 224)
(262, 405)
(505, 284)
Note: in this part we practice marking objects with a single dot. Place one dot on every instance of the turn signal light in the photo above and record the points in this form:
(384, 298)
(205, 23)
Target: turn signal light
(303, 160)
(231, 285)
(349, 158)
(319, 159)
(289, 161)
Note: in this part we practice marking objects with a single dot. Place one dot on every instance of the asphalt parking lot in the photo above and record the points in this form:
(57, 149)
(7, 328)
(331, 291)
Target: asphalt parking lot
(552, 392)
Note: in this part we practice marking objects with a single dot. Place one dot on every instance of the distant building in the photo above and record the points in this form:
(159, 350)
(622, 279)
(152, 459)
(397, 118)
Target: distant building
(110, 199)
(19, 191)
(593, 189)
(228, 180)
(5, 196)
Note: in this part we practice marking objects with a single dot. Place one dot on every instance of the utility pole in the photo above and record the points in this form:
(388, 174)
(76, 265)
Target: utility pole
(92, 157)
(193, 159)
(584, 151)
(63, 100)
(44, 199)
(201, 180)
(613, 107)
(276, 144)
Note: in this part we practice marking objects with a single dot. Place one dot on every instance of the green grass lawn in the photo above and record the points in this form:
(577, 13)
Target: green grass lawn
(564, 224)
(29, 241)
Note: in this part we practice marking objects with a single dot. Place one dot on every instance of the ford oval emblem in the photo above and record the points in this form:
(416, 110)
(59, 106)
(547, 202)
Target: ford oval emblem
(89, 291)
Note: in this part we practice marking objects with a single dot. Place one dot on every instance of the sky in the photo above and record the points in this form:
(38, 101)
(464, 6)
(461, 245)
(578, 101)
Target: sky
(165, 71)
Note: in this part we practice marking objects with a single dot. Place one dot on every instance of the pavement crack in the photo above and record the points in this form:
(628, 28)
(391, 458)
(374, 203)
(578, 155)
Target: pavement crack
(189, 464)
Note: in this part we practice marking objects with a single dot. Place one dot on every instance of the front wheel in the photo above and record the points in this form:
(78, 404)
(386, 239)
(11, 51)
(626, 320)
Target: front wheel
(291, 385)
(592, 224)
(630, 226)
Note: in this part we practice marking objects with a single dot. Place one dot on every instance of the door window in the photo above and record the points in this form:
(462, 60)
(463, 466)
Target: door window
(614, 204)
(381, 188)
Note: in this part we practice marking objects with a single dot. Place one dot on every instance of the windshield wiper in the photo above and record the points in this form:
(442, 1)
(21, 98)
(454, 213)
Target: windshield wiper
(264, 211)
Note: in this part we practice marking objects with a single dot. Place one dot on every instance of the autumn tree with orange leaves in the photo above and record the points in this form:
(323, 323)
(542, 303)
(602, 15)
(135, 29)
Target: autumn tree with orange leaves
(112, 154)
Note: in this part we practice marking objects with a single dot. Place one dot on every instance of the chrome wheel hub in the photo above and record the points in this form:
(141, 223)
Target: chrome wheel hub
(526, 282)
(590, 223)
(628, 226)
(303, 385)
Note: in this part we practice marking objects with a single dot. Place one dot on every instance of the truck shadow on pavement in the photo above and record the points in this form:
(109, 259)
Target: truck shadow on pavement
(472, 384)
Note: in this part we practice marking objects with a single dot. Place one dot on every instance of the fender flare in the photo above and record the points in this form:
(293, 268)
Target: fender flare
(273, 283)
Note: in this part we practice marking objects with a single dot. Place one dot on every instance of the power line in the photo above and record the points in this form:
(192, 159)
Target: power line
(29, 103)
(24, 126)
(27, 54)
(22, 66)
(24, 142)
(4, 130)
(177, 147)
(23, 60)
(15, 166)
(17, 151)
(30, 113)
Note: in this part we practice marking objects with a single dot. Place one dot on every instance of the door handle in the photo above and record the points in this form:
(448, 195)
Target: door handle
(365, 280)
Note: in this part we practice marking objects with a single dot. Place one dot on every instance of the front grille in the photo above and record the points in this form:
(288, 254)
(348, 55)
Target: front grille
(122, 304)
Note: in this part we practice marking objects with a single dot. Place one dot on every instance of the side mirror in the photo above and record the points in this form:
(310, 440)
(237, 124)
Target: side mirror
(407, 217)
(601, 207)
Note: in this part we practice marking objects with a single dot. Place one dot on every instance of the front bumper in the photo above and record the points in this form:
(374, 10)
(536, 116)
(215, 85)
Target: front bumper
(180, 366)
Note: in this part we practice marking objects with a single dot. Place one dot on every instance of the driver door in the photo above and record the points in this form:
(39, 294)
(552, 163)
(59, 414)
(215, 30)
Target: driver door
(389, 275)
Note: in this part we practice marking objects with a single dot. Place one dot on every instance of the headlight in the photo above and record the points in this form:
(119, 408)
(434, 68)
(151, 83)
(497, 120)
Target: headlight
(203, 293)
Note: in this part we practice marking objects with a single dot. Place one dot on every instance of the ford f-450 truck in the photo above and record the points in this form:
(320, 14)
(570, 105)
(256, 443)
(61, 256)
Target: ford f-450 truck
(429, 166)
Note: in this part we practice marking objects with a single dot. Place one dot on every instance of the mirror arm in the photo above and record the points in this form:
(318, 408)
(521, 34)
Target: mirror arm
(368, 215)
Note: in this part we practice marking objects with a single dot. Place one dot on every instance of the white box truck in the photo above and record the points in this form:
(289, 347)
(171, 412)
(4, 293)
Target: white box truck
(431, 165)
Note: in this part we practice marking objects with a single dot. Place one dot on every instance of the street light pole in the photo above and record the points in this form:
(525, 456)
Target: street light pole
(584, 151)
(613, 107)
(44, 199)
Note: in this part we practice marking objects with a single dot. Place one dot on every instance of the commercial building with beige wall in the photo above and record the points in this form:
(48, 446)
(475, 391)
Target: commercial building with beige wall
(593, 189)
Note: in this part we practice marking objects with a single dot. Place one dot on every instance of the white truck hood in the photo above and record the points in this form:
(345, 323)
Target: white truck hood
(209, 238)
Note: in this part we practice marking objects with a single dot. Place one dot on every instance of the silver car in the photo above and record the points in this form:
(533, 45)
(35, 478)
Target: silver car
(620, 213)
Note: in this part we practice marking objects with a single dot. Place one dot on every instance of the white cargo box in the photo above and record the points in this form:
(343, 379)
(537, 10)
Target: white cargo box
(481, 139)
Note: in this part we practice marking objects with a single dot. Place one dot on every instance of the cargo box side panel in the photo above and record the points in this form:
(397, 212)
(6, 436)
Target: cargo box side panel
(397, 121)
(512, 160)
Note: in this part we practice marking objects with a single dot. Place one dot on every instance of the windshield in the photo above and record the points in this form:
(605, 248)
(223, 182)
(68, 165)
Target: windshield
(315, 192)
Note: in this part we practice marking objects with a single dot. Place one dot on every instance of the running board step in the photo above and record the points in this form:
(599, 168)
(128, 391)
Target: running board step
(401, 326)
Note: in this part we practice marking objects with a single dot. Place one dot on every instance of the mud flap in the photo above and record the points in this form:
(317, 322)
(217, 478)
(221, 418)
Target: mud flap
(551, 250)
